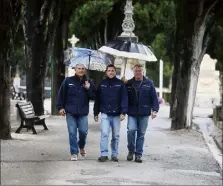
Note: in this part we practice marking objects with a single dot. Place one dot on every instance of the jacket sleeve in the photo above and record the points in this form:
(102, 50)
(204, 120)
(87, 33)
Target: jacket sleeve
(91, 91)
(61, 95)
(124, 99)
(97, 101)
(155, 102)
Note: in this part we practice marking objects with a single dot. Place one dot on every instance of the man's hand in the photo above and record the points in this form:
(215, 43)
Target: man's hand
(96, 118)
(62, 112)
(122, 117)
(87, 85)
(154, 114)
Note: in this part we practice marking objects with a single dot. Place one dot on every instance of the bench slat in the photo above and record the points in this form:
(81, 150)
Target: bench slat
(24, 103)
(32, 117)
(29, 115)
(43, 116)
(26, 107)
(29, 112)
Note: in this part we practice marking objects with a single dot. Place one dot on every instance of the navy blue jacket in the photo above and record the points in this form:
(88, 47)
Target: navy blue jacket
(111, 97)
(73, 97)
(142, 100)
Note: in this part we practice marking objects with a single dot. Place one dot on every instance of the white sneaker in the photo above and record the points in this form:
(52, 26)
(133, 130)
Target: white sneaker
(73, 157)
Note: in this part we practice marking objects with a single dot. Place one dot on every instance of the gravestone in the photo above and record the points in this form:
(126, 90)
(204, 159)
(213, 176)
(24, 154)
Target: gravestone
(120, 64)
(208, 88)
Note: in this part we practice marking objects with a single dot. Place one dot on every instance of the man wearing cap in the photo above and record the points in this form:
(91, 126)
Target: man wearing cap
(112, 102)
(73, 102)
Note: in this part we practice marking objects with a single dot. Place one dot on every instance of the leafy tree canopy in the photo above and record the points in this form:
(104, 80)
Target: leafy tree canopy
(85, 22)
(155, 26)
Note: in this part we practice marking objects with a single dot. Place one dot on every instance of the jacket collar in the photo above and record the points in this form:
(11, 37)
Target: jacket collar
(133, 79)
(111, 79)
(77, 79)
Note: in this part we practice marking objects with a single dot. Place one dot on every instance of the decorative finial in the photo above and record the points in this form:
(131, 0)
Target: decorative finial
(128, 24)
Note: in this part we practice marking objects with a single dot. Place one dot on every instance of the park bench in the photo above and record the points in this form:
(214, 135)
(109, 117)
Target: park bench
(29, 118)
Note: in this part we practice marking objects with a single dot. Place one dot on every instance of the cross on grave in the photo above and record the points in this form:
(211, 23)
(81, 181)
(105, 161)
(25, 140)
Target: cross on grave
(73, 40)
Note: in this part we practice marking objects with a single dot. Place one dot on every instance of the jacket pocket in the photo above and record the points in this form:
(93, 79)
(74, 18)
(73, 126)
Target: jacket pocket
(145, 110)
(83, 110)
(71, 109)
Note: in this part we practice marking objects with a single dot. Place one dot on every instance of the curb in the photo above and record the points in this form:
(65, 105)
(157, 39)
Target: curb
(210, 142)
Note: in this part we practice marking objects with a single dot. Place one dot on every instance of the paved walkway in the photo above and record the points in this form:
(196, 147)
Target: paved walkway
(171, 157)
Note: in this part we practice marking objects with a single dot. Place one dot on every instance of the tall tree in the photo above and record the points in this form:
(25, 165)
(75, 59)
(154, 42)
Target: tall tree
(155, 26)
(9, 18)
(195, 19)
(57, 67)
(39, 28)
(215, 49)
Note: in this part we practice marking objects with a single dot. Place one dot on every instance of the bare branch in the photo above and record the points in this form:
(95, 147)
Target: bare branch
(44, 12)
(200, 8)
(209, 10)
(204, 47)
(53, 20)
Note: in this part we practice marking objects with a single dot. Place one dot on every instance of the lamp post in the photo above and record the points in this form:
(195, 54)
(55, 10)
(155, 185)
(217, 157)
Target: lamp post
(128, 26)
(161, 79)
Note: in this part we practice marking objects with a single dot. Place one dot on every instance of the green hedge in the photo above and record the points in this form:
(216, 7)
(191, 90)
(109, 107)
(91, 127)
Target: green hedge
(166, 97)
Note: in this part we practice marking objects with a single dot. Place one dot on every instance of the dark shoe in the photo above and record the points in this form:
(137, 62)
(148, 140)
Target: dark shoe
(138, 159)
(83, 152)
(103, 158)
(130, 156)
(114, 159)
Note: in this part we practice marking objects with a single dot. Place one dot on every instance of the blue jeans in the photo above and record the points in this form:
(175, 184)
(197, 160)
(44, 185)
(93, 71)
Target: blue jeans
(74, 123)
(136, 125)
(108, 122)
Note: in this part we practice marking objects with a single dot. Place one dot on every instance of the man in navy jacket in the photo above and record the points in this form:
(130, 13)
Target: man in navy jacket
(73, 101)
(112, 102)
(142, 102)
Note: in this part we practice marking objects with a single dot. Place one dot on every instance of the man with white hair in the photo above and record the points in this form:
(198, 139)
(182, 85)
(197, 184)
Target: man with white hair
(73, 102)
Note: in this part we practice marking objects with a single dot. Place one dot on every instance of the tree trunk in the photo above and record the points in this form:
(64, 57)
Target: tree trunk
(65, 25)
(55, 69)
(193, 37)
(221, 79)
(5, 79)
(174, 85)
(57, 65)
(38, 32)
(176, 71)
(9, 19)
